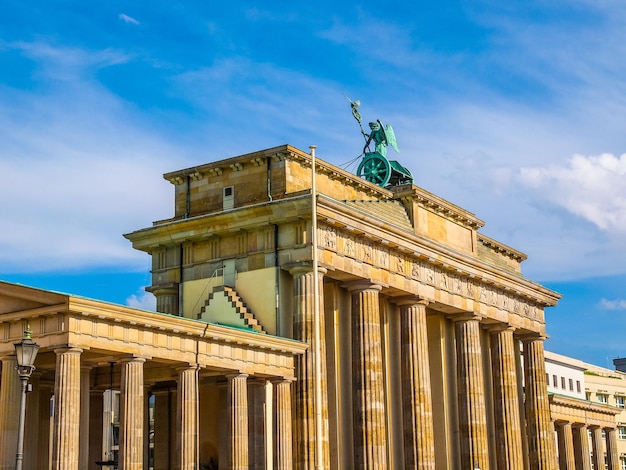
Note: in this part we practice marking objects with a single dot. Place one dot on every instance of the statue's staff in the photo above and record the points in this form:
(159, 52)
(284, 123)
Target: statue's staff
(354, 105)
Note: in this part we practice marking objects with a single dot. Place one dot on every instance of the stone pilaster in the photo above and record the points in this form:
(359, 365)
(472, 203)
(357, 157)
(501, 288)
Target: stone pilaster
(581, 447)
(187, 411)
(66, 409)
(597, 456)
(419, 439)
(612, 454)
(370, 427)
(566, 446)
(237, 396)
(131, 414)
(10, 390)
(541, 444)
(85, 386)
(474, 443)
(507, 418)
(283, 443)
(303, 330)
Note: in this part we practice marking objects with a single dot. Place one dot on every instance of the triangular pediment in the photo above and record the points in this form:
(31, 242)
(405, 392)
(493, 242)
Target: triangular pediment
(225, 307)
(18, 298)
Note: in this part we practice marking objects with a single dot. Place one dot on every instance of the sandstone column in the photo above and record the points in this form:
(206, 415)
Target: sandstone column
(85, 396)
(66, 409)
(131, 414)
(237, 396)
(303, 328)
(597, 456)
(581, 447)
(417, 408)
(566, 445)
(370, 430)
(283, 443)
(10, 390)
(506, 399)
(541, 444)
(612, 455)
(187, 411)
(471, 394)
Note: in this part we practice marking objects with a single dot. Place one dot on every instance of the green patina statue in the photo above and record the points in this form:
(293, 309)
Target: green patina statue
(375, 167)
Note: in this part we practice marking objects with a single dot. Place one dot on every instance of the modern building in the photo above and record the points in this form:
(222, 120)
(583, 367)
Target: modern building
(586, 429)
(421, 320)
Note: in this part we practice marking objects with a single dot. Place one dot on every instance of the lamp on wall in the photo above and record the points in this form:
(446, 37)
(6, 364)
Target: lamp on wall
(25, 351)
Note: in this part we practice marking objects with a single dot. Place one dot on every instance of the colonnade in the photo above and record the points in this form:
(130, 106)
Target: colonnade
(514, 429)
(73, 448)
(577, 453)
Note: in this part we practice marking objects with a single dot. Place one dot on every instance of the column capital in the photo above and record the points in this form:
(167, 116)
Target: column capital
(136, 359)
(465, 316)
(362, 285)
(500, 327)
(188, 366)
(530, 337)
(235, 375)
(280, 380)
(303, 268)
(409, 300)
(68, 349)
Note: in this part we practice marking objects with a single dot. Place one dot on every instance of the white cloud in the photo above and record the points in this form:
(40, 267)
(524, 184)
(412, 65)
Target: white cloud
(142, 300)
(78, 171)
(613, 304)
(127, 19)
(592, 187)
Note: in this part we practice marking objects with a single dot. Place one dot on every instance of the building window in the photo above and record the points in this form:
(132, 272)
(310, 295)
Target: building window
(228, 198)
(571, 385)
(603, 398)
(622, 463)
(563, 383)
(588, 396)
(548, 379)
(622, 432)
(620, 401)
(555, 381)
(578, 386)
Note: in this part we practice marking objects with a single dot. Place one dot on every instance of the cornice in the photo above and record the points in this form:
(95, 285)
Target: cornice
(580, 404)
(501, 248)
(446, 209)
(284, 152)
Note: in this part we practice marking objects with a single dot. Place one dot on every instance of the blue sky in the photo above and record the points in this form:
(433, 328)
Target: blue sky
(515, 112)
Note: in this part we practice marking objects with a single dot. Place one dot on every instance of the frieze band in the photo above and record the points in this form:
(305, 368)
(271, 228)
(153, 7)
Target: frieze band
(423, 271)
